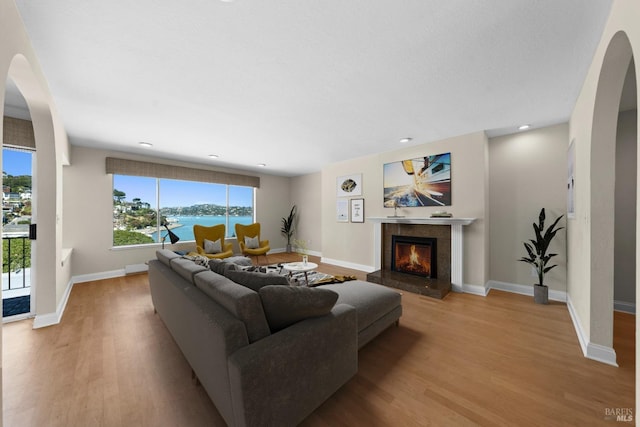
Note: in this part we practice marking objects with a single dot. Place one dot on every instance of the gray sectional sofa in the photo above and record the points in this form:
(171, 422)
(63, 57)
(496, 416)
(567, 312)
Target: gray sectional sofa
(267, 354)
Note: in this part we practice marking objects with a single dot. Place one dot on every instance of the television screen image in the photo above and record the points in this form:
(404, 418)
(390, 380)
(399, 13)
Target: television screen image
(422, 181)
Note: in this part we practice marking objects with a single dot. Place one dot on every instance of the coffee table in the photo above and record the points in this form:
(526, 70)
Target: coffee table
(300, 267)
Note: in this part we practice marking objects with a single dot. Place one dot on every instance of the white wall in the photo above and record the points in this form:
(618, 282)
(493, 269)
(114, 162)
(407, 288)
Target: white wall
(590, 234)
(88, 207)
(306, 195)
(625, 215)
(527, 172)
(352, 244)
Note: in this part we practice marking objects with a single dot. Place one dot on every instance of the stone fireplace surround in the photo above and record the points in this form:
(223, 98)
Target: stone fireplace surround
(448, 232)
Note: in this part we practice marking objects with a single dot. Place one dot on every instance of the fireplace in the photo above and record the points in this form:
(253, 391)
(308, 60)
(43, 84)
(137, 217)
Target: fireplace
(415, 258)
(414, 255)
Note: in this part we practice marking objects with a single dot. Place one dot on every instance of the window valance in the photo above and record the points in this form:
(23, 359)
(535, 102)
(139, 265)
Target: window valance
(159, 170)
(18, 133)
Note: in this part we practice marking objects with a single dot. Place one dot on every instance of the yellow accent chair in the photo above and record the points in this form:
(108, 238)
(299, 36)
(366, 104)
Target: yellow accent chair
(215, 235)
(249, 241)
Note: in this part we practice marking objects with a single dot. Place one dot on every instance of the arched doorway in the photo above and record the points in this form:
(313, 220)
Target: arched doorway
(603, 202)
(44, 206)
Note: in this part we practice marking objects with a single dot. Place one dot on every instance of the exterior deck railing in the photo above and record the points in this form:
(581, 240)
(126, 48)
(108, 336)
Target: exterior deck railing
(16, 258)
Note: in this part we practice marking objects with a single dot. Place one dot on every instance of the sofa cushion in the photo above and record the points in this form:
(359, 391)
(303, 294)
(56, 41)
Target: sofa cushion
(221, 266)
(255, 280)
(166, 255)
(371, 301)
(286, 305)
(239, 260)
(240, 301)
(186, 268)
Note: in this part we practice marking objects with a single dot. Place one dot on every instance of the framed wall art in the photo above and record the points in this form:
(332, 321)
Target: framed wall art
(422, 181)
(349, 185)
(342, 210)
(357, 210)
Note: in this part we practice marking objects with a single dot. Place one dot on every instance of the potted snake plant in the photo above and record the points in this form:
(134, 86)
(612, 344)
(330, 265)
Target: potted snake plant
(538, 257)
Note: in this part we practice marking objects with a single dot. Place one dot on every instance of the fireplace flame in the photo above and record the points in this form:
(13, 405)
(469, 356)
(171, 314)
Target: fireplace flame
(413, 256)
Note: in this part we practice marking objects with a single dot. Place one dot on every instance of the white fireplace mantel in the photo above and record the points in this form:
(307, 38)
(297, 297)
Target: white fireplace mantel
(456, 241)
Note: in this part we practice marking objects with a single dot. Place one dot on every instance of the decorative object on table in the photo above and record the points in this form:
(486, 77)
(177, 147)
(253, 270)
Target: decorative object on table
(288, 226)
(247, 234)
(422, 181)
(301, 248)
(441, 214)
(210, 241)
(172, 236)
(538, 257)
(357, 210)
(394, 204)
(349, 185)
(342, 210)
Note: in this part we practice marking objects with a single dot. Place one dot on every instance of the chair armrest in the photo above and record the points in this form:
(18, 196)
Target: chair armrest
(200, 250)
(227, 247)
(281, 379)
(264, 243)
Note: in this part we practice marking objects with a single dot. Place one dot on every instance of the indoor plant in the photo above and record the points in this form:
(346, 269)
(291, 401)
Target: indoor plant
(538, 256)
(287, 226)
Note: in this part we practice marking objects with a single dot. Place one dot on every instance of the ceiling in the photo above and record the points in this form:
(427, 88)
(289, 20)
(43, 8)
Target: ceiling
(298, 84)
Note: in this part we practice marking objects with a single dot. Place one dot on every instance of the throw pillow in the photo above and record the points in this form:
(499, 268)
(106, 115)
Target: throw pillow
(255, 280)
(221, 266)
(252, 242)
(199, 259)
(286, 305)
(212, 247)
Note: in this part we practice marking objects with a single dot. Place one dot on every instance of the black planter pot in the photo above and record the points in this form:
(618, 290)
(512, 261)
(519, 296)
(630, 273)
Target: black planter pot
(540, 294)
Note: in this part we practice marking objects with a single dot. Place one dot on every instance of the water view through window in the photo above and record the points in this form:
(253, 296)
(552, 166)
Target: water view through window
(141, 206)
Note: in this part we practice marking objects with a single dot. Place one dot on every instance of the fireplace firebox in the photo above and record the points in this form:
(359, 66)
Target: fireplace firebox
(414, 255)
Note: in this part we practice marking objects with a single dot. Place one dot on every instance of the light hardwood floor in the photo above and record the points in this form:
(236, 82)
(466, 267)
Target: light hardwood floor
(465, 360)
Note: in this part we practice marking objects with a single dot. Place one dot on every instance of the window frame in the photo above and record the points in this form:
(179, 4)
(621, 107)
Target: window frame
(158, 232)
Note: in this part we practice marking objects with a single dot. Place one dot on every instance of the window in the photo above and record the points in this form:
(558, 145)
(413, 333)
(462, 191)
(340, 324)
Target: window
(142, 205)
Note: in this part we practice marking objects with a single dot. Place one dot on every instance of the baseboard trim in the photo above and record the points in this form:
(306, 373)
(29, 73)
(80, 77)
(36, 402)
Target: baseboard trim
(50, 319)
(625, 307)
(135, 268)
(524, 290)
(590, 350)
(98, 276)
(365, 268)
(475, 290)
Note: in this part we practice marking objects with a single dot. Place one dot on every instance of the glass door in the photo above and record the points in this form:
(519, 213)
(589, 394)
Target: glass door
(16, 218)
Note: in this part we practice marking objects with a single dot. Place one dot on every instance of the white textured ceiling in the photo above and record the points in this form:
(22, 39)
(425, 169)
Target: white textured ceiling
(297, 84)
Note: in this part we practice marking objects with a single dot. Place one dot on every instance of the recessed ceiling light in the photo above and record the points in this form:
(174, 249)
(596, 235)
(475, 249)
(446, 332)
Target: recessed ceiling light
(524, 127)
(146, 144)
(262, 165)
(213, 156)
(405, 140)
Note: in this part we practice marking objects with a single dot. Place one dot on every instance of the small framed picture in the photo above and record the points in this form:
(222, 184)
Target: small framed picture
(342, 210)
(357, 210)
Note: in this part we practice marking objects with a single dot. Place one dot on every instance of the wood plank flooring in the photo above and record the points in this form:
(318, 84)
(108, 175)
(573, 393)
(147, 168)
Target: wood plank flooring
(465, 360)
